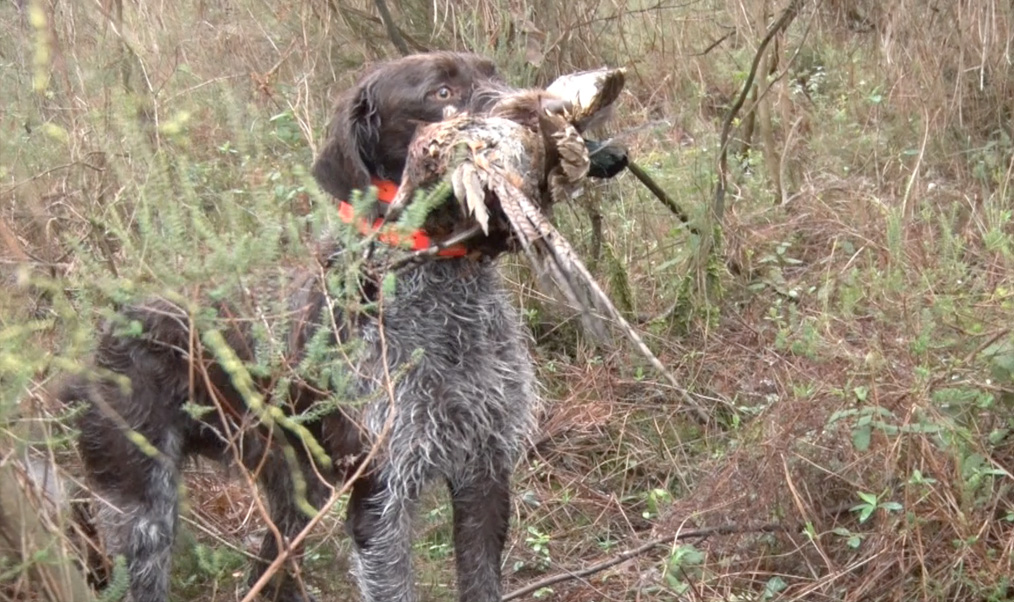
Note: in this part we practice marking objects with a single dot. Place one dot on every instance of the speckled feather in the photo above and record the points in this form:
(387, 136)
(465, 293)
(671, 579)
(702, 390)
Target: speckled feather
(508, 158)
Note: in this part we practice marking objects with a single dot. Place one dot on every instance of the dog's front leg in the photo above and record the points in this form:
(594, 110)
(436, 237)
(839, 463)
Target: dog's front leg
(481, 518)
(380, 523)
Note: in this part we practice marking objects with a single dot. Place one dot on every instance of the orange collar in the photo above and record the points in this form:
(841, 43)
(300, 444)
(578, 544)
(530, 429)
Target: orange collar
(417, 240)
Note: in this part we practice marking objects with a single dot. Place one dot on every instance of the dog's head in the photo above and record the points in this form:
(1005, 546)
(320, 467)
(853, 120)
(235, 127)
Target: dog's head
(375, 121)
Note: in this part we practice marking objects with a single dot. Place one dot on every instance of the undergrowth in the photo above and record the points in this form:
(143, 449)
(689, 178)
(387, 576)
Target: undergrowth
(848, 327)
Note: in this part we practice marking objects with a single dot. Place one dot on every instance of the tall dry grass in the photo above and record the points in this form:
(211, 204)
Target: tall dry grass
(851, 328)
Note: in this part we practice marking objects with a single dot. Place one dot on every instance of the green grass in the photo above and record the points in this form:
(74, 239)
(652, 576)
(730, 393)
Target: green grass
(853, 342)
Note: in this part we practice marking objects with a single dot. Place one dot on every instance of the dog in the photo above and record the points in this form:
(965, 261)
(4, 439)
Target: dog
(443, 365)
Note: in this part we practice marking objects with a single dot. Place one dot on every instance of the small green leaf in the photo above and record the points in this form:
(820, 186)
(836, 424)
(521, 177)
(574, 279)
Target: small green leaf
(918, 478)
(998, 435)
(869, 498)
(861, 438)
(841, 414)
(389, 284)
(773, 586)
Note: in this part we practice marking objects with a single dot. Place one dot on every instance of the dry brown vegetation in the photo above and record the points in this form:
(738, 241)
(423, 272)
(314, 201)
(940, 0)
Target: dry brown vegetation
(846, 317)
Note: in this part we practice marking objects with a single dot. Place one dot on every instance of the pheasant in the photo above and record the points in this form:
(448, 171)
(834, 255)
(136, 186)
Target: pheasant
(532, 138)
(507, 168)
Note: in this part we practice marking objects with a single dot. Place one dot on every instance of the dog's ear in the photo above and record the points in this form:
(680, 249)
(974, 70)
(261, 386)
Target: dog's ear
(354, 132)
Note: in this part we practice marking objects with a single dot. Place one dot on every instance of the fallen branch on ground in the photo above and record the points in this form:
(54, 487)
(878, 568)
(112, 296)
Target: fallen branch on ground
(667, 540)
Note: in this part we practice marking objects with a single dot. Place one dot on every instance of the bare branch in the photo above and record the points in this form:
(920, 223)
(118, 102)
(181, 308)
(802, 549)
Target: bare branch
(666, 540)
(783, 21)
(392, 30)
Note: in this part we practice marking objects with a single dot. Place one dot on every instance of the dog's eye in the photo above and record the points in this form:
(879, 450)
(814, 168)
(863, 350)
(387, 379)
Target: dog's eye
(443, 92)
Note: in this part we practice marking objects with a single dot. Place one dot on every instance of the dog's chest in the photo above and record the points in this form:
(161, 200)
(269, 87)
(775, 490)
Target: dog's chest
(455, 354)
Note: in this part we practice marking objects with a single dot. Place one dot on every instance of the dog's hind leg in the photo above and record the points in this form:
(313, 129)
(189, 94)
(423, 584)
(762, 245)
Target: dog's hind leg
(136, 488)
(481, 518)
(141, 526)
(278, 483)
(380, 523)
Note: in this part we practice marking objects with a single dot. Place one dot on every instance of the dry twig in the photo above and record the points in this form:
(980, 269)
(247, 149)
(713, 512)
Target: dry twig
(723, 154)
(644, 548)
